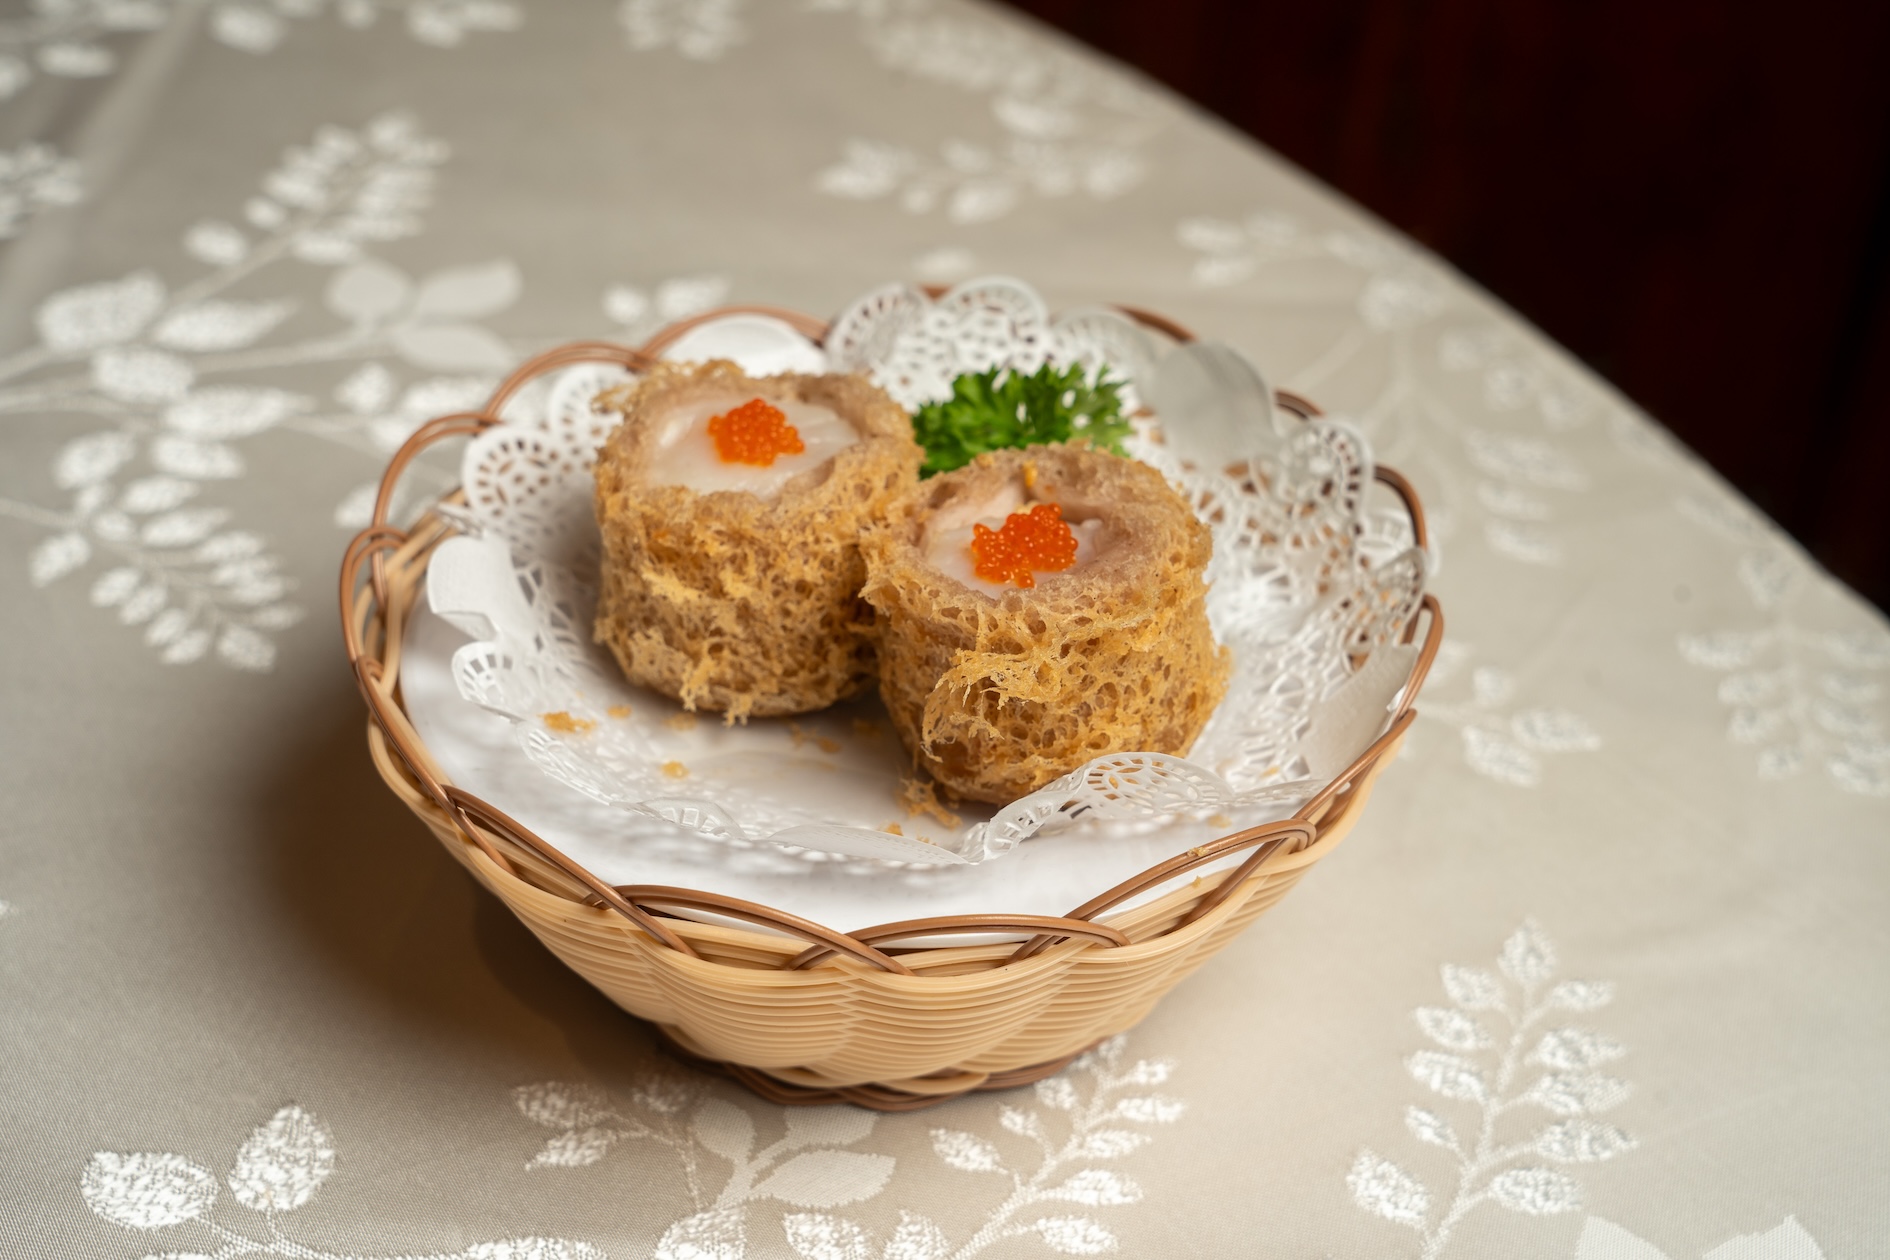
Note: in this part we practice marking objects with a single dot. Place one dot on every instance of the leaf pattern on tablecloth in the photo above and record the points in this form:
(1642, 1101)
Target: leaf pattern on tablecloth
(638, 311)
(1788, 1240)
(1067, 126)
(277, 1170)
(589, 1122)
(159, 378)
(258, 26)
(1096, 1112)
(1493, 1033)
(701, 30)
(283, 1163)
(1802, 696)
(33, 178)
(78, 39)
(71, 41)
(807, 1166)
(1499, 740)
(1407, 310)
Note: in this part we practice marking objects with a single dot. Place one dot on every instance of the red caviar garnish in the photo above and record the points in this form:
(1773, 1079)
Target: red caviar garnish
(754, 433)
(1038, 539)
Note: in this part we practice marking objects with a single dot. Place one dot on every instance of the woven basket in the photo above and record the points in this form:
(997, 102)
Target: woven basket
(799, 1012)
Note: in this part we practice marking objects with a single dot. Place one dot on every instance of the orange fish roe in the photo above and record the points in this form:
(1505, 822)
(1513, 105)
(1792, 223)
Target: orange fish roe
(754, 433)
(1038, 539)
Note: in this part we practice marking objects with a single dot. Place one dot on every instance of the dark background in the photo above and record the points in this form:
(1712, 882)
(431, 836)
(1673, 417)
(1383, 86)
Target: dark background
(1693, 197)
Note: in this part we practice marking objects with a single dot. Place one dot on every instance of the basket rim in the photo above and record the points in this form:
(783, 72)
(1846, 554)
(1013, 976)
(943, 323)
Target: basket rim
(374, 607)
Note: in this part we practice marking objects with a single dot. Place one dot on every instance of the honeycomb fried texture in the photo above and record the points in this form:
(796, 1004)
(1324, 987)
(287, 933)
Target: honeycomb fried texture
(728, 601)
(997, 696)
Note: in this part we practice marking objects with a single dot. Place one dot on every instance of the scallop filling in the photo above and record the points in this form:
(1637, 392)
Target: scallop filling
(952, 535)
(687, 452)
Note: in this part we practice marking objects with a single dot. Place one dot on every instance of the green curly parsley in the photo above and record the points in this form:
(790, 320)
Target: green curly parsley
(1002, 408)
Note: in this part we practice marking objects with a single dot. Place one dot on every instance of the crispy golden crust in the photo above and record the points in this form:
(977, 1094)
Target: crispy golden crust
(997, 696)
(728, 601)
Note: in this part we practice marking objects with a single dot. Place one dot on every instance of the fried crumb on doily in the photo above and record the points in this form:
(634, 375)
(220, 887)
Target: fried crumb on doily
(800, 735)
(675, 769)
(565, 724)
(680, 721)
(920, 796)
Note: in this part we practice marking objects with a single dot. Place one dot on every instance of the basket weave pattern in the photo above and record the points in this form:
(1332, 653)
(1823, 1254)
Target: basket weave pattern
(797, 1011)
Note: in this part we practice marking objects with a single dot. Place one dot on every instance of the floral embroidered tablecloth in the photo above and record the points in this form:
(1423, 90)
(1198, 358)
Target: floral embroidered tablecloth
(1604, 973)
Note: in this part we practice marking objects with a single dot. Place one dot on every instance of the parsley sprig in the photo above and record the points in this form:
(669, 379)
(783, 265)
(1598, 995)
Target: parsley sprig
(1003, 408)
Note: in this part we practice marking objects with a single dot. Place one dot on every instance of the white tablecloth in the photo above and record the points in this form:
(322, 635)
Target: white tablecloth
(1604, 973)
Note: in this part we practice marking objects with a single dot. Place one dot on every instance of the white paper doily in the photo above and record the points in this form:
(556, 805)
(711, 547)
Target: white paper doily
(1300, 590)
